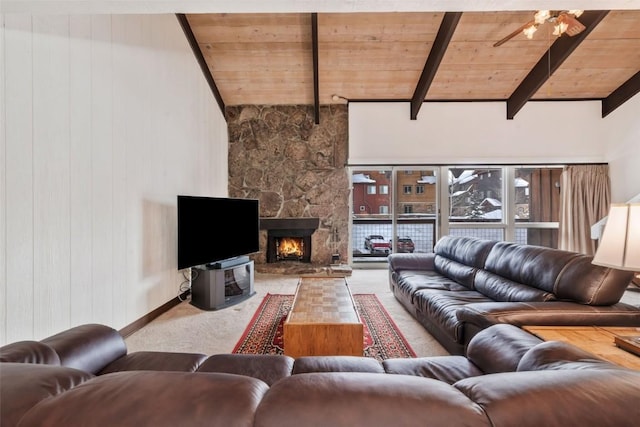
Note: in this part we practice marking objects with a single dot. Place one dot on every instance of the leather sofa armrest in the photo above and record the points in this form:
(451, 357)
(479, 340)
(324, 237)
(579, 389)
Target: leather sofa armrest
(29, 352)
(88, 347)
(411, 261)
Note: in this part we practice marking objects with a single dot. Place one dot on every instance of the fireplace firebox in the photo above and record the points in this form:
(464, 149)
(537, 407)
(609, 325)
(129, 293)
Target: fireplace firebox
(289, 239)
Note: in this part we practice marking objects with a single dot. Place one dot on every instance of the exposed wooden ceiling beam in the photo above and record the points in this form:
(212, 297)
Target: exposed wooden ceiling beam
(440, 44)
(316, 83)
(550, 62)
(625, 92)
(195, 48)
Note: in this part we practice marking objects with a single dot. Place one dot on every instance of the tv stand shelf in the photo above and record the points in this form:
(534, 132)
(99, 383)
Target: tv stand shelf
(223, 284)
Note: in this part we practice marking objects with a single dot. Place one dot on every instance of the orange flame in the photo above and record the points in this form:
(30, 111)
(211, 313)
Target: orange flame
(289, 246)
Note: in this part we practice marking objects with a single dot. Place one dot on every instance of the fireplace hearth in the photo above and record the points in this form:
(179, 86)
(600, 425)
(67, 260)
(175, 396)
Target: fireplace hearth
(289, 239)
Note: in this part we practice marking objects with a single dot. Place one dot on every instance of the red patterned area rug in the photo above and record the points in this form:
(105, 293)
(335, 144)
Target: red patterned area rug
(382, 339)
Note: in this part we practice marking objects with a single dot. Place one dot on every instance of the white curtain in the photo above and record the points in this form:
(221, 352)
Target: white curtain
(585, 198)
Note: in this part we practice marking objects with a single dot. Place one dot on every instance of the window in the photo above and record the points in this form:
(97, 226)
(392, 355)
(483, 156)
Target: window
(419, 189)
(384, 189)
(408, 209)
(371, 189)
(406, 189)
(475, 195)
(384, 209)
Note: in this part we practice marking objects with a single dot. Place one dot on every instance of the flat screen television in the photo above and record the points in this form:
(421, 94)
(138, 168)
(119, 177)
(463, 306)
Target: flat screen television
(212, 229)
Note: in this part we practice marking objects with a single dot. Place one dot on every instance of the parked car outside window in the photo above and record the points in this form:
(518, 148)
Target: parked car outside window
(376, 243)
(405, 244)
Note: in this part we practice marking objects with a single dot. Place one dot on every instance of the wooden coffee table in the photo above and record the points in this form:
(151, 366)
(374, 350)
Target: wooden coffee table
(323, 320)
(598, 340)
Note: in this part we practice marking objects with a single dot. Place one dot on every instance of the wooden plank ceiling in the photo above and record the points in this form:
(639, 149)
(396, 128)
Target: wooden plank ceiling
(269, 58)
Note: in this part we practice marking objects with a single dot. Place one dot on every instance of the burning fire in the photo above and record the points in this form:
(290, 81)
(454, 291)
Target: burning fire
(289, 246)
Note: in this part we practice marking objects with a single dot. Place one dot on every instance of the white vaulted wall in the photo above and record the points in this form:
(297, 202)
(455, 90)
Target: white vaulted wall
(105, 119)
(479, 133)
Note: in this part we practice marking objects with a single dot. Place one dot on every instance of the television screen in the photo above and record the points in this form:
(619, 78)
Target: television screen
(213, 229)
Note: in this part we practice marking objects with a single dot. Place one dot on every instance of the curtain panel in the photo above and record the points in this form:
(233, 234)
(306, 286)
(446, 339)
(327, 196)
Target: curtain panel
(585, 199)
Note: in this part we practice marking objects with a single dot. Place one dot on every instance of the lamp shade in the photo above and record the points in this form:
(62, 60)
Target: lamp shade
(620, 242)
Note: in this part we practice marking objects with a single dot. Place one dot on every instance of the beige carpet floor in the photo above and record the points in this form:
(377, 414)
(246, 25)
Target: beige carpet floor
(186, 328)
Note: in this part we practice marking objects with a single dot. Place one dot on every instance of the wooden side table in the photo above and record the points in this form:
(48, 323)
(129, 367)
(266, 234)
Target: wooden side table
(600, 341)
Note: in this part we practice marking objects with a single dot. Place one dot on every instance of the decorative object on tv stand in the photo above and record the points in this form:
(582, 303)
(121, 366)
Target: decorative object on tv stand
(619, 248)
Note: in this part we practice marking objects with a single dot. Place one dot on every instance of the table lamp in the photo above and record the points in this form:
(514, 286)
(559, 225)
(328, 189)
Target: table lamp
(619, 248)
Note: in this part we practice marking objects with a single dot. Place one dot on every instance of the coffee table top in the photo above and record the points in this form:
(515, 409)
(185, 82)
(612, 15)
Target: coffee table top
(323, 300)
(598, 340)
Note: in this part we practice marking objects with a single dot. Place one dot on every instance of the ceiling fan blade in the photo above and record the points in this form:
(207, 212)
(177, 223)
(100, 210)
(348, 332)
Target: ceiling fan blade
(512, 35)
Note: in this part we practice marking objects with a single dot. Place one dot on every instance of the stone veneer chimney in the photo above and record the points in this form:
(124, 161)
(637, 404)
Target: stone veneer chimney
(295, 168)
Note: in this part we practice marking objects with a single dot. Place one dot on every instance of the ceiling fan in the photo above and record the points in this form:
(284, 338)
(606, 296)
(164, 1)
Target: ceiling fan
(563, 21)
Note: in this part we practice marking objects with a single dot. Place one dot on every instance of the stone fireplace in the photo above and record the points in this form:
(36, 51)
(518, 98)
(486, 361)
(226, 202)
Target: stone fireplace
(297, 170)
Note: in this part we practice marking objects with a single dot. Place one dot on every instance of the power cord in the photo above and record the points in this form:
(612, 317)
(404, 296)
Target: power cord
(185, 287)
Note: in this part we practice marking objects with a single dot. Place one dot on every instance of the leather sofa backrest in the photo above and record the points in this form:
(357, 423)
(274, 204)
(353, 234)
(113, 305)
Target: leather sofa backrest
(459, 258)
(562, 275)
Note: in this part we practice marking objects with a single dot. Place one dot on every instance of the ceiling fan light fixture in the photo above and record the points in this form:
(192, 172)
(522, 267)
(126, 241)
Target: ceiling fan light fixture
(559, 28)
(529, 31)
(541, 16)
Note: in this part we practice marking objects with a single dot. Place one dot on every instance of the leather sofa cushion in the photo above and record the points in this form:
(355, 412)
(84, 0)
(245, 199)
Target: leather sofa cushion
(459, 258)
(557, 355)
(266, 367)
(443, 368)
(412, 281)
(568, 275)
(155, 361)
(341, 399)
(306, 364)
(88, 347)
(500, 289)
(29, 352)
(465, 250)
(557, 397)
(500, 348)
(144, 398)
(441, 307)
(23, 385)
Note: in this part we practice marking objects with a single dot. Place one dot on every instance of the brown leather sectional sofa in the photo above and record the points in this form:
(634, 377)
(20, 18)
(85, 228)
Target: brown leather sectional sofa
(468, 284)
(85, 377)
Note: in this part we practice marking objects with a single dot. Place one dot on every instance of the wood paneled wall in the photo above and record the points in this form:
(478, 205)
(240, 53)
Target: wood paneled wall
(105, 120)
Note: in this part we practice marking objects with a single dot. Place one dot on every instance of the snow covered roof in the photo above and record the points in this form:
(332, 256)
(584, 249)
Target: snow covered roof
(427, 179)
(521, 183)
(491, 201)
(360, 178)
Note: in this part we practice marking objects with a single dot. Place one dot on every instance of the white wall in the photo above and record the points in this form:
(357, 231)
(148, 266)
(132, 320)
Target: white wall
(622, 140)
(478, 132)
(106, 119)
